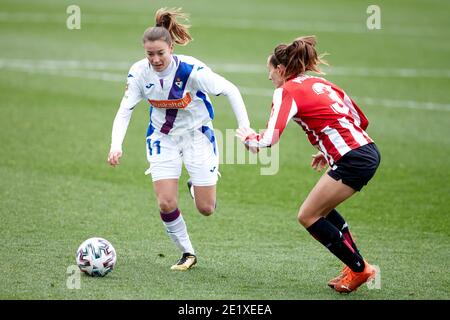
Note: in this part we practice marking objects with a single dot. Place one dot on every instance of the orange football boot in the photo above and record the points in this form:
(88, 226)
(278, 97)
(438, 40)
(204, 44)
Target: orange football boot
(353, 280)
(335, 280)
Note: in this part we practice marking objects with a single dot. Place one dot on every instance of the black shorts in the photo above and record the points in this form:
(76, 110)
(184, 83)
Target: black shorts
(357, 167)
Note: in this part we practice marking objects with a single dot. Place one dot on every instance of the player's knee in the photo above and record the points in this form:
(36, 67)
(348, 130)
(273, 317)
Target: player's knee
(206, 209)
(307, 215)
(167, 204)
(302, 219)
(304, 216)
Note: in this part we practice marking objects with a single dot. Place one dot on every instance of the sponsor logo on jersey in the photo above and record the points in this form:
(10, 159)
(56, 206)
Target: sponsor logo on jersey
(172, 104)
(149, 85)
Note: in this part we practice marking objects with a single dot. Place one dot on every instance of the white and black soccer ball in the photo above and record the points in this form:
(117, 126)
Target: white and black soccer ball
(96, 257)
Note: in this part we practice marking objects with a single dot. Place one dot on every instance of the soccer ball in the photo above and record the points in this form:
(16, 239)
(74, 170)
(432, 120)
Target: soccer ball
(96, 257)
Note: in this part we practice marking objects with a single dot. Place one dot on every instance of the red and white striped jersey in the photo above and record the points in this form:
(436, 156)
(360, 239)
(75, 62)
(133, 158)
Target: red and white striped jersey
(331, 120)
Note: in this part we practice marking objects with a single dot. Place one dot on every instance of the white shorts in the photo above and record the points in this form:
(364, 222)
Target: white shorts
(197, 149)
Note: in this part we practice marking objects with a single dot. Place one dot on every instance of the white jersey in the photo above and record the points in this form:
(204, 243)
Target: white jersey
(178, 97)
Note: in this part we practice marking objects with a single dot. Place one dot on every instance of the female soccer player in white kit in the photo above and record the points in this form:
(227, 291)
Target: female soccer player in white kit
(180, 129)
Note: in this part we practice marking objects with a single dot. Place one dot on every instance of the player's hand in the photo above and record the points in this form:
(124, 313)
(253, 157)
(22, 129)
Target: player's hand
(244, 134)
(252, 149)
(113, 157)
(318, 161)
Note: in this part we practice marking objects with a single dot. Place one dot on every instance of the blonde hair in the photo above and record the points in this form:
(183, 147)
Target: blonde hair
(167, 28)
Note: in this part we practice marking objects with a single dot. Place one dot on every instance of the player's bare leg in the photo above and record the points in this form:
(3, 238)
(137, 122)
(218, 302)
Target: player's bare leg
(324, 197)
(166, 191)
(205, 199)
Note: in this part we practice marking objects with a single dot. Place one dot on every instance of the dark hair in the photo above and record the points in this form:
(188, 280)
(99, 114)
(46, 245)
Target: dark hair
(167, 28)
(298, 57)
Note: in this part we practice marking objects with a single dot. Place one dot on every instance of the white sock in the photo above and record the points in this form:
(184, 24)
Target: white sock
(177, 231)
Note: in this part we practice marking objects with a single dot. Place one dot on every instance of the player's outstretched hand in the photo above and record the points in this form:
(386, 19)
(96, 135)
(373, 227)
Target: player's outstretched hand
(318, 161)
(113, 157)
(244, 134)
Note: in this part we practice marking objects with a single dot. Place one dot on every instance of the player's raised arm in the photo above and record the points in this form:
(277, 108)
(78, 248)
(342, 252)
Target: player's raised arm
(130, 99)
(215, 84)
(283, 109)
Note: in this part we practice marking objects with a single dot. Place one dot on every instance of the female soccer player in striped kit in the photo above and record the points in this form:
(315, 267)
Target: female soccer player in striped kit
(336, 126)
(180, 129)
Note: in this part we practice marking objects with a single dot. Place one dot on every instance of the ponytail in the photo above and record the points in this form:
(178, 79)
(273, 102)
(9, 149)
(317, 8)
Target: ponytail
(167, 28)
(298, 57)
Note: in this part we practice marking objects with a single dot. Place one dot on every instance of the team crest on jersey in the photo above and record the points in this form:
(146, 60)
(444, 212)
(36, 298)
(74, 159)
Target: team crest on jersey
(179, 83)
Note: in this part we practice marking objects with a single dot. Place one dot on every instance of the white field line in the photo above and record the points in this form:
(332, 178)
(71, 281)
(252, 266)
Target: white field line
(116, 77)
(233, 23)
(345, 71)
(225, 67)
(409, 104)
(48, 64)
(320, 26)
(389, 103)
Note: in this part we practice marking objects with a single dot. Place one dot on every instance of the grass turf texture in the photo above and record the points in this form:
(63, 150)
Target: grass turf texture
(56, 189)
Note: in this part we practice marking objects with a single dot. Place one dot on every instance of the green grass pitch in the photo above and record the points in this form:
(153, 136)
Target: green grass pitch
(59, 92)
